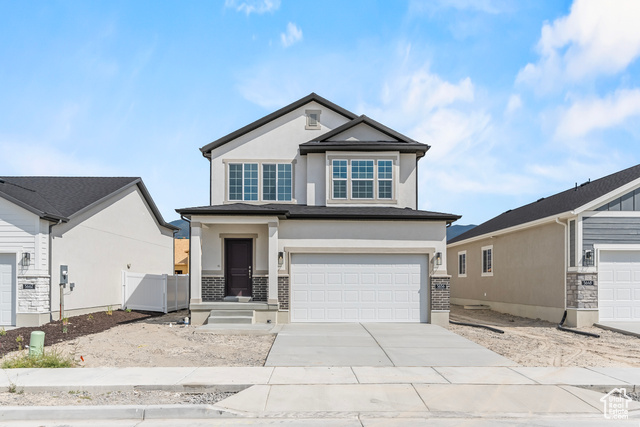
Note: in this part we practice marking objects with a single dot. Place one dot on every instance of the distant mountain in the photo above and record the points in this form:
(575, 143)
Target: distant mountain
(184, 228)
(456, 230)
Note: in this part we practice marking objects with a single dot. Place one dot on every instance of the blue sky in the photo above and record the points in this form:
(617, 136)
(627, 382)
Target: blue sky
(518, 99)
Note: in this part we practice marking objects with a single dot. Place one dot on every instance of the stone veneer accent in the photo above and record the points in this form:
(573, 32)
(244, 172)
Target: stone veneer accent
(212, 288)
(33, 300)
(440, 298)
(283, 292)
(579, 295)
(260, 289)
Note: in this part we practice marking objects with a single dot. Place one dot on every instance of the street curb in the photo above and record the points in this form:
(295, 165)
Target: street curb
(112, 412)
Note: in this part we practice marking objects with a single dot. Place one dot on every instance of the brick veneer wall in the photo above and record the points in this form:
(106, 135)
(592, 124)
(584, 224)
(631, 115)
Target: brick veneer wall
(212, 288)
(579, 295)
(440, 298)
(283, 292)
(260, 289)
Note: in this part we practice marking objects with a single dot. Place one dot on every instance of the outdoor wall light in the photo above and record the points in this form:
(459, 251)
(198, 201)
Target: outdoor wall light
(588, 257)
(280, 259)
(438, 258)
(26, 259)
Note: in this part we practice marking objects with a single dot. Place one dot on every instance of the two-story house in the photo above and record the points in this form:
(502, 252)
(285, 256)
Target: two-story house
(313, 215)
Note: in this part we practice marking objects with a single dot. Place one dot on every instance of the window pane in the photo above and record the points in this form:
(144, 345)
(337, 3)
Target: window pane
(340, 169)
(339, 189)
(362, 169)
(486, 261)
(362, 189)
(284, 182)
(235, 182)
(268, 182)
(251, 181)
(385, 169)
(384, 190)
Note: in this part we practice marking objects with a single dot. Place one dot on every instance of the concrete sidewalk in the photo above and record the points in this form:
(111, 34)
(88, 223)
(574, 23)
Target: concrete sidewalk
(384, 395)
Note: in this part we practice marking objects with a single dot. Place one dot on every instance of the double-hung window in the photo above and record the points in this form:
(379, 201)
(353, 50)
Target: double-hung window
(245, 182)
(276, 182)
(362, 179)
(487, 261)
(462, 264)
(339, 179)
(385, 179)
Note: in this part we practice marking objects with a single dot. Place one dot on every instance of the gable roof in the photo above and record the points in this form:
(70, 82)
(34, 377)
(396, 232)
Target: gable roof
(290, 211)
(276, 114)
(402, 143)
(566, 201)
(60, 198)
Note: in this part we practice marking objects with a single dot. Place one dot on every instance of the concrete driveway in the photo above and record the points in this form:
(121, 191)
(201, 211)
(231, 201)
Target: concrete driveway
(377, 344)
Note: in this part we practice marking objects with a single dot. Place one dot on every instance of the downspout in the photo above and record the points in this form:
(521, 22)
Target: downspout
(182, 217)
(564, 271)
(50, 268)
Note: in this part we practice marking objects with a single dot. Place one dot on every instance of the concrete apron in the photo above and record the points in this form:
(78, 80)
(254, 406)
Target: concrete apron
(377, 344)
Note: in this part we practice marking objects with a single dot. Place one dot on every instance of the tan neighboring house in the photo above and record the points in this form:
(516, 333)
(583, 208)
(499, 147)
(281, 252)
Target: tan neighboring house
(314, 218)
(80, 231)
(578, 250)
(181, 256)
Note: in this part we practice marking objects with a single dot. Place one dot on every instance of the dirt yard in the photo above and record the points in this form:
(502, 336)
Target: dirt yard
(539, 343)
(160, 341)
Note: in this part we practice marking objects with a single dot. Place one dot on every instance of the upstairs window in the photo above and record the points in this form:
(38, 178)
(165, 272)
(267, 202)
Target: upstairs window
(360, 179)
(487, 261)
(245, 183)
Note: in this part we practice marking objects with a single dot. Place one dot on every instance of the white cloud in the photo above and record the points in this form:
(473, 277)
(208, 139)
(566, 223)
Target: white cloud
(599, 113)
(293, 35)
(596, 38)
(514, 104)
(253, 6)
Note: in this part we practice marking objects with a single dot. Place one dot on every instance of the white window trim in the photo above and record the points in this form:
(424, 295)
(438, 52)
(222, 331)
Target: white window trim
(307, 115)
(465, 264)
(482, 250)
(348, 157)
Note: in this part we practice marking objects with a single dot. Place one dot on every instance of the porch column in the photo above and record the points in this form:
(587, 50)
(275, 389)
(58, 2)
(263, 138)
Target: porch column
(273, 263)
(195, 267)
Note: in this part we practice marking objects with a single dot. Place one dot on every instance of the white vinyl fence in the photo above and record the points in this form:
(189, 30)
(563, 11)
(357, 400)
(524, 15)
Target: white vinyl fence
(155, 292)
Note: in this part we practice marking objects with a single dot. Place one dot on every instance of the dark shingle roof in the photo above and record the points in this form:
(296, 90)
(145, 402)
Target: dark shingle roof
(565, 201)
(400, 142)
(61, 198)
(320, 212)
(281, 112)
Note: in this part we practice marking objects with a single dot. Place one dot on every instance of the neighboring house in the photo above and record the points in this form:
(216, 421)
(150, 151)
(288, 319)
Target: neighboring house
(181, 256)
(314, 213)
(577, 250)
(96, 227)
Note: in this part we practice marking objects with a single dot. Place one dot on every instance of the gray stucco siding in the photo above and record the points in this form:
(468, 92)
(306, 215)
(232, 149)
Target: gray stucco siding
(610, 230)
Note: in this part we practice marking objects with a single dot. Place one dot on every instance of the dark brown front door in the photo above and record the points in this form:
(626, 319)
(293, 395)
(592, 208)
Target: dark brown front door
(238, 254)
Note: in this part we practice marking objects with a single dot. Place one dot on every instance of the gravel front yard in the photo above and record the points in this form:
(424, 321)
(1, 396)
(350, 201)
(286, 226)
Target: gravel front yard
(538, 343)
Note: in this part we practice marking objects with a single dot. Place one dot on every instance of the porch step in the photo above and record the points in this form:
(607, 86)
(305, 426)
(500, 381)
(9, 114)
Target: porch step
(230, 319)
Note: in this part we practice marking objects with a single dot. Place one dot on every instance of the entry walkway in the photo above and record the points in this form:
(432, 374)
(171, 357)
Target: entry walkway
(377, 344)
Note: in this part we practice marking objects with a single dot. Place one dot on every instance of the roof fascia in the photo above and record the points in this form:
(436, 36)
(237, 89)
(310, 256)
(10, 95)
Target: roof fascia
(312, 97)
(612, 195)
(514, 228)
(33, 210)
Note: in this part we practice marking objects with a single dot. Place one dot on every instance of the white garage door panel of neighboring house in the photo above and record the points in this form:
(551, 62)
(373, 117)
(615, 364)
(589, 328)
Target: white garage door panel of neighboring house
(619, 285)
(358, 288)
(7, 289)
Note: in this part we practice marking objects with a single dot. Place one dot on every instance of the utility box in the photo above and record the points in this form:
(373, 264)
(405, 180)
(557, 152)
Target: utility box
(64, 275)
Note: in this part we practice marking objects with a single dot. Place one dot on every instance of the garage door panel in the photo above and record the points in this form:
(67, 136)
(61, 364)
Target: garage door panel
(357, 287)
(619, 285)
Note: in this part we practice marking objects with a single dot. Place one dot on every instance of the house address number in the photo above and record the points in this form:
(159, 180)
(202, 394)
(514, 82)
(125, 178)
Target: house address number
(28, 286)
(441, 286)
(587, 283)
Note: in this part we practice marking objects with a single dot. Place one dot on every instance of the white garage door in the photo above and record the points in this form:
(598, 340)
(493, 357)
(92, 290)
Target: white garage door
(7, 286)
(619, 285)
(358, 288)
